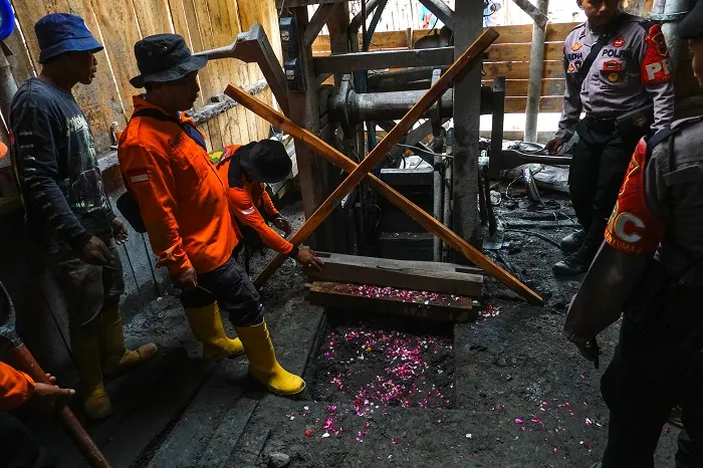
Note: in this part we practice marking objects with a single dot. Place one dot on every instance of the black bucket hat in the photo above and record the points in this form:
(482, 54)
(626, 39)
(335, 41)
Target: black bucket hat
(164, 57)
(266, 161)
(692, 25)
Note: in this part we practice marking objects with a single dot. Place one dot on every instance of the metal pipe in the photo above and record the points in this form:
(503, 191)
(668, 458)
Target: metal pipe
(438, 198)
(673, 7)
(447, 186)
(534, 89)
(8, 86)
(358, 20)
(361, 107)
(447, 204)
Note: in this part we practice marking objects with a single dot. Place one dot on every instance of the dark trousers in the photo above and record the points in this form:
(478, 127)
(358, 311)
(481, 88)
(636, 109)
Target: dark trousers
(651, 371)
(598, 166)
(234, 292)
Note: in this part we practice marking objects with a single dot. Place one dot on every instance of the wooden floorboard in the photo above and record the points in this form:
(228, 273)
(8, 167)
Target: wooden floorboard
(446, 278)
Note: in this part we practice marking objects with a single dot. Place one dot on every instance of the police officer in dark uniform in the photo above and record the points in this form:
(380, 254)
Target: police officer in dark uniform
(618, 73)
(651, 267)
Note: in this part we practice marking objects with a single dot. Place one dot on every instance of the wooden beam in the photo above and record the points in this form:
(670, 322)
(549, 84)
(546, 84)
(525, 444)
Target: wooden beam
(317, 22)
(385, 145)
(515, 34)
(442, 308)
(342, 161)
(517, 105)
(445, 278)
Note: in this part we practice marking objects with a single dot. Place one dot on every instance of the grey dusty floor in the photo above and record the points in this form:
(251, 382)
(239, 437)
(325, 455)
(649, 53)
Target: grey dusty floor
(520, 395)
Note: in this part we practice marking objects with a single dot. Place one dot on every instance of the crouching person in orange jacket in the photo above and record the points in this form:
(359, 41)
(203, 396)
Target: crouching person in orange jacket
(184, 207)
(245, 170)
(17, 444)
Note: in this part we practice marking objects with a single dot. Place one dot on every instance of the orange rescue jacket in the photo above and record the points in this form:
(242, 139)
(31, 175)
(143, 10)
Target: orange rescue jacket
(181, 198)
(15, 387)
(248, 199)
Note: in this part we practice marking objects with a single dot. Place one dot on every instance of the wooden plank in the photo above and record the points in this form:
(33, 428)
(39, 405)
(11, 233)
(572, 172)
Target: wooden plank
(518, 88)
(517, 34)
(521, 70)
(100, 101)
(120, 31)
(394, 136)
(153, 16)
(339, 159)
(263, 13)
(446, 278)
(177, 10)
(521, 52)
(517, 105)
(161, 407)
(442, 308)
(219, 129)
(20, 61)
(225, 27)
(210, 128)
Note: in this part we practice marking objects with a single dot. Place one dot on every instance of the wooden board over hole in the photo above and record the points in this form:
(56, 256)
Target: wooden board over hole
(442, 308)
(448, 278)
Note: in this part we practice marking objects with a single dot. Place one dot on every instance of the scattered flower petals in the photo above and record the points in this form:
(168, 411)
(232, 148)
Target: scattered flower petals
(325, 435)
(518, 421)
(308, 432)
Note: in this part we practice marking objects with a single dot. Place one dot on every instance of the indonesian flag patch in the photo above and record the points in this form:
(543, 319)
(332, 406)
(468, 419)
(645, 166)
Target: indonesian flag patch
(138, 175)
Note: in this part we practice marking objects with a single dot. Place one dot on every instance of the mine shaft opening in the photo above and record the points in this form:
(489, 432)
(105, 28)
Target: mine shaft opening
(376, 361)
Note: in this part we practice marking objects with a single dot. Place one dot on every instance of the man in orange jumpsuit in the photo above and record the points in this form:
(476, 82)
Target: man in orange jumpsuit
(17, 444)
(184, 207)
(245, 170)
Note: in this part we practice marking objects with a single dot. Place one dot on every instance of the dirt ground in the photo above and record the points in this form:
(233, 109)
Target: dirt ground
(506, 391)
(518, 393)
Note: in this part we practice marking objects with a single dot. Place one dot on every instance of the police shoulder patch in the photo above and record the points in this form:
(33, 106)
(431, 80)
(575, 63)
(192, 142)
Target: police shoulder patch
(656, 65)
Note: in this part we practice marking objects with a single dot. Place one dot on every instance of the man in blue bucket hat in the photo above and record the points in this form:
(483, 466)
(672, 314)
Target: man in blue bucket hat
(67, 210)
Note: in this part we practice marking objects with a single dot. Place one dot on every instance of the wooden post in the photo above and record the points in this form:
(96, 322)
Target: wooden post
(340, 160)
(467, 119)
(361, 171)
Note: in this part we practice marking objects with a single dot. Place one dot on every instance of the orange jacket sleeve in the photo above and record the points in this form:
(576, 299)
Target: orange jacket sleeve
(244, 209)
(15, 387)
(268, 203)
(150, 178)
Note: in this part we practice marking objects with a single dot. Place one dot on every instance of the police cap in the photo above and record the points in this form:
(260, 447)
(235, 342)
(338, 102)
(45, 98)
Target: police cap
(692, 25)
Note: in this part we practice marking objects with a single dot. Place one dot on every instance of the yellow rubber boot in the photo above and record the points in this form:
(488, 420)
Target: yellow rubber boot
(85, 346)
(116, 356)
(263, 365)
(206, 324)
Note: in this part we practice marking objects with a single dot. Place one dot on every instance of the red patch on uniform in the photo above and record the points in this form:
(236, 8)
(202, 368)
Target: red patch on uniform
(632, 227)
(612, 65)
(138, 175)
(656, 65)
(576, 46)
(619, 41)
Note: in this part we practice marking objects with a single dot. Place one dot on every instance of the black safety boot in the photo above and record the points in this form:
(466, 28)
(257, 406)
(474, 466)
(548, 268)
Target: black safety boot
(576, 263)
(573, 241)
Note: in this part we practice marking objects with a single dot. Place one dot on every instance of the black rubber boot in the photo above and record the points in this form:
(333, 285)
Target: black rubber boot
(576, 263)
(573, 241)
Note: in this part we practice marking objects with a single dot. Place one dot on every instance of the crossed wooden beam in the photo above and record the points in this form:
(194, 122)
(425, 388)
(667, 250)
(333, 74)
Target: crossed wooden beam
(357, 172)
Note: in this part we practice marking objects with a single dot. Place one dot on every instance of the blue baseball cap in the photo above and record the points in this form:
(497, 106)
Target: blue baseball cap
(62, 32)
